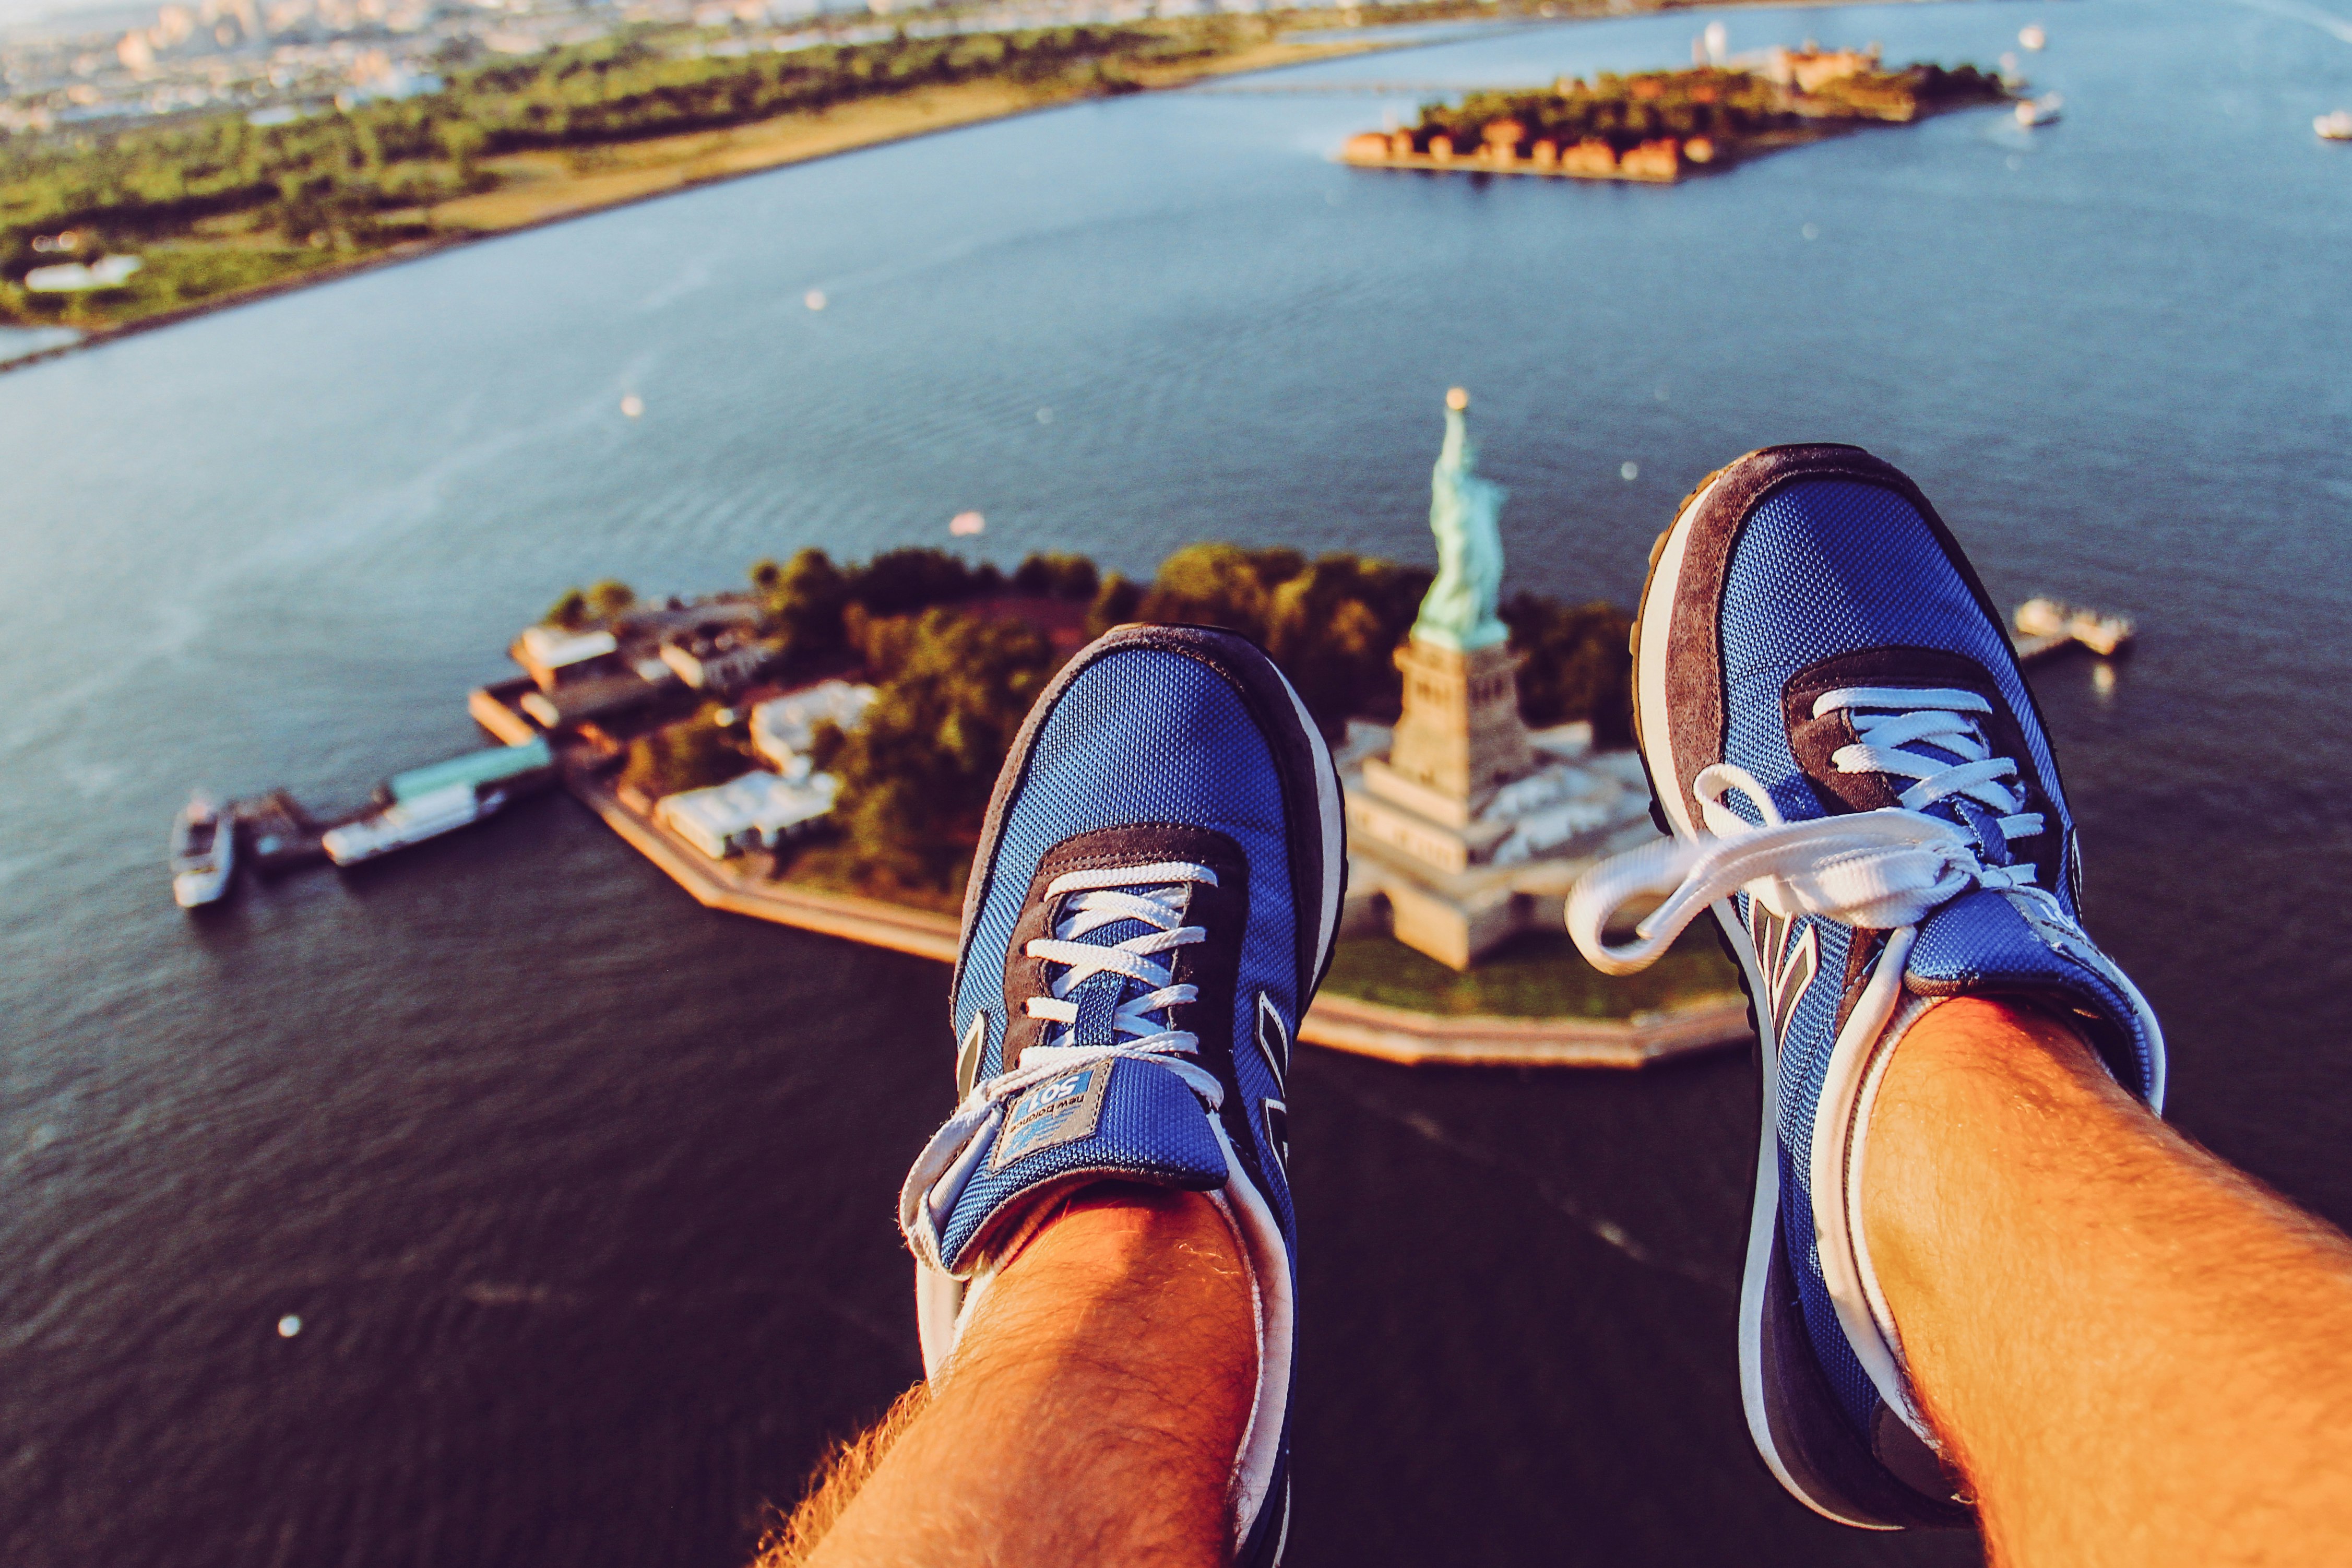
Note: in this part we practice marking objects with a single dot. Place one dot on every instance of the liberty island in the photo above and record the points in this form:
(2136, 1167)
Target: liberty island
(1467, 827)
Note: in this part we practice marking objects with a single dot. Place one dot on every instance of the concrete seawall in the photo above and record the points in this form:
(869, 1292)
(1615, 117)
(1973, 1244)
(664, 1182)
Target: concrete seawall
(1335, 1023)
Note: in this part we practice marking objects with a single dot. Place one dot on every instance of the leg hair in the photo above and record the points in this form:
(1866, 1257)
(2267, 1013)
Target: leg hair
(790, 1539)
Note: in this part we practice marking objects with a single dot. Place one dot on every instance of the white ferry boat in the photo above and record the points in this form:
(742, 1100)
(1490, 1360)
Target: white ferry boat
(426, 803)
(2044, 625)
(2042, 110)
(407, 822)
(203, 852)
(2336, 125)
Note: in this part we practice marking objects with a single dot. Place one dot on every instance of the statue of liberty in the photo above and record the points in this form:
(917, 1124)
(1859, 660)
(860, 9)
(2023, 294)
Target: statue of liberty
(1465, 512)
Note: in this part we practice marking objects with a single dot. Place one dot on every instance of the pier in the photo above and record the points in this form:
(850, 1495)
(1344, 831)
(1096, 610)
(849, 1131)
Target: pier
(275, 835)
(2044, 628)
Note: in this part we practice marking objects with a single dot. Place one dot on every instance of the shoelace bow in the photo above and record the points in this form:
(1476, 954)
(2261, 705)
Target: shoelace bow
(1104, 1000)
(1879, 870)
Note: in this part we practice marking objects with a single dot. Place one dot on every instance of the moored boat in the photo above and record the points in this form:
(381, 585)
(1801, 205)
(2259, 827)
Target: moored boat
(426, 803)
(407, 822)
(203, 852)
(2336, 125)
(2044, 625)
(2042, 110)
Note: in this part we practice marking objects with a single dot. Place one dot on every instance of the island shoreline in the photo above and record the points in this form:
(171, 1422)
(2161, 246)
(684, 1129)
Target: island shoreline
(422, 250)
(1402, 1036)
(419, 250)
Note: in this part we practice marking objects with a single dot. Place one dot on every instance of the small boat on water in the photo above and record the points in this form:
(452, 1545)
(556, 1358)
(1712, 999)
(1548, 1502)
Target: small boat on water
(2044, 625)
(2042, 110)
(407, 822)
(426, 803)
(2336, 125)
(203, 852)
(2032, 36)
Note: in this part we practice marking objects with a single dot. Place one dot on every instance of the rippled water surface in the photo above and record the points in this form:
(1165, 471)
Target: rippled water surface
(583, 1194)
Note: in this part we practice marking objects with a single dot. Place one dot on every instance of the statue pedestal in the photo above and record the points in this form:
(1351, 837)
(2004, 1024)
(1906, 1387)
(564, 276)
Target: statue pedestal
(1460, 737)
(1453, 883)
(1459, 833)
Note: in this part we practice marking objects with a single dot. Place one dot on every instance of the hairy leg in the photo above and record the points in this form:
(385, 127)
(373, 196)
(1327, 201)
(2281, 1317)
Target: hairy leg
(1091, 1412)
(2135, 1354)
(793, 1539)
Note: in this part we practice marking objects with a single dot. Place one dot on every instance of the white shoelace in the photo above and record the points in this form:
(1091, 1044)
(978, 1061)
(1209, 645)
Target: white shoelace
(1878, 870)
(1888, 719)
(1099, 899)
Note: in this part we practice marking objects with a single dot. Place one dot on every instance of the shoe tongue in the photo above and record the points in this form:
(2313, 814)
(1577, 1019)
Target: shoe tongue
(1098, 995)
(1972, 816)
(1992, 844)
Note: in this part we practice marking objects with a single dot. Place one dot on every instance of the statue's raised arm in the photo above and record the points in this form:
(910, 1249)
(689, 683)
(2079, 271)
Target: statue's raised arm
(1465, 513)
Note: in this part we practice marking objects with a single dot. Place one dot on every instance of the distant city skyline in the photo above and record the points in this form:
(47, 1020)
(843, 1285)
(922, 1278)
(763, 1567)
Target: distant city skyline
(14, 13)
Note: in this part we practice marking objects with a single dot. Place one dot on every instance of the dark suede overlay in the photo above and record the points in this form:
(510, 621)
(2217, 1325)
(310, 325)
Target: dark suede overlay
(1813, 1438)
(1814, 740)
(1694, 655)
(1861, 956)
(1211, 963)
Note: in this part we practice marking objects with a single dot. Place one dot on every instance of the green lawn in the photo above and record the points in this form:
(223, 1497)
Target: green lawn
(1536, 974)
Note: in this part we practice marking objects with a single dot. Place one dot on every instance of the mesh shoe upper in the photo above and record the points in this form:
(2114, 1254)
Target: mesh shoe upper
(1860, 784)
(1831, 568)
(1153, 901)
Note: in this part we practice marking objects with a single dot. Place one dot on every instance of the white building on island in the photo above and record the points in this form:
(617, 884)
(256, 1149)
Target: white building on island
(782, 727)
(758, 811)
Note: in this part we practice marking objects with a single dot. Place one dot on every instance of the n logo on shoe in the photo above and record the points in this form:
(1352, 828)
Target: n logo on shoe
(1274, 1040)
(1789, 966)
(1278, 1131)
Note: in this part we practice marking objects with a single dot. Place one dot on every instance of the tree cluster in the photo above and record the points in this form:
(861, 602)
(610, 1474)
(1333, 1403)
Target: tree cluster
(1579, 665)
(1723, 105)
(952, 689)
(600, 604)
(1057, 577)
(813, 608)
(694, 754)
(1332, 624)
(1624, 111)
(956, 678)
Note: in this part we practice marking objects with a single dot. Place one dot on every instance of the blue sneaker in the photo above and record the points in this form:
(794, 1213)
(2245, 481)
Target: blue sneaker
(1153, 906)
(1858, 783)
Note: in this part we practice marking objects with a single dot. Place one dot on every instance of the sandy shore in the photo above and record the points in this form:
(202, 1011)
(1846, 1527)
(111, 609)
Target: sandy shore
(543, 186)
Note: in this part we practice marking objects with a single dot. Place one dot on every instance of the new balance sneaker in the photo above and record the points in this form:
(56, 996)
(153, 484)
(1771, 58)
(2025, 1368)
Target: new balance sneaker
(1857, 781)
(1152, 905)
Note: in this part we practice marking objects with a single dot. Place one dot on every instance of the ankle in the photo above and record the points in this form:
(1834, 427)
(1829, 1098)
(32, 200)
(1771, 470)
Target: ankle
(1118, 1228)
(1976, 1091)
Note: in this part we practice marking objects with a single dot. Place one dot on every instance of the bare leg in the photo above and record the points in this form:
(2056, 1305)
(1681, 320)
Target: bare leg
(1091, 1413)
(2135, 1354)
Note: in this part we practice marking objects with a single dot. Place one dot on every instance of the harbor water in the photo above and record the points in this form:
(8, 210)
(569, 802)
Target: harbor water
(496, 1205)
